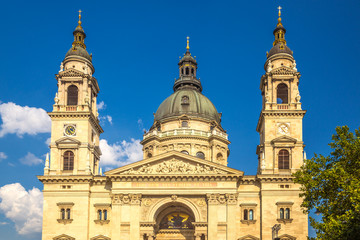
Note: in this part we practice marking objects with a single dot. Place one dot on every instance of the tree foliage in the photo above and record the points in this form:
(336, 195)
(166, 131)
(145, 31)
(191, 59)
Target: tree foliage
(331, 186)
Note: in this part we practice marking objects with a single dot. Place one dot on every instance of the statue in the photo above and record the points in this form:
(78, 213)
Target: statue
(269, 66)
(294, 66)
(56, 99)
(298, 97)
(61, 67)
(267, 97)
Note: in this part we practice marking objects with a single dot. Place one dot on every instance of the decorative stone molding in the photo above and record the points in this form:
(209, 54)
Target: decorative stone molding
(216, 198)
(126, 198)
(283, 71)
(285, 221)
(248, 237)
(174, 166)
(64, 221)
(174, 197)
(248, 222)
(63, 237)
(231, 198)
(100, 237)
(101, 222)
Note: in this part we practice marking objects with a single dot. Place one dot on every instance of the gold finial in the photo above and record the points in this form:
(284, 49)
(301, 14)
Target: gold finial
(79, 22)
(279, 19)
(187, 43)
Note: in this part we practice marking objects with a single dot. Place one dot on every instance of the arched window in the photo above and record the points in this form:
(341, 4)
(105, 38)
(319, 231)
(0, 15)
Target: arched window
(187, 71)
(182, 71)
(245, 214)
(192, 71)
(99, 214)
(287, 213)
(283, 159)
(184, 100)
(149, 155)
(219, 157)
(68, 213)
(62, 213)
(251, 215)
(72, 95)
(68, 160)
(105, 214)
(281, 213)
(200, 155)
(282, 93)
(185, 152)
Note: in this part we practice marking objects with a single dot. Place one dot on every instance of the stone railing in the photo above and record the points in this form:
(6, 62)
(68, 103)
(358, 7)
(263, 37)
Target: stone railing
(185, 132)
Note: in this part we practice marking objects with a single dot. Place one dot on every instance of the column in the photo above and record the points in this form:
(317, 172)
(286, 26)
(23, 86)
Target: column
(116, 216)
(135, 200)
(212, 216)
(231, 201)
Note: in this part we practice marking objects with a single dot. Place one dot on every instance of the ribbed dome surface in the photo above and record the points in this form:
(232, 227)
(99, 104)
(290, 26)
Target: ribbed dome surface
(276, 49)
(79, 51)
(197, 105)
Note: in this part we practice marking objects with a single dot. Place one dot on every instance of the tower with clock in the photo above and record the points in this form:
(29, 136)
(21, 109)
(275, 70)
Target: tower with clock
(75, 131)
(280, 122)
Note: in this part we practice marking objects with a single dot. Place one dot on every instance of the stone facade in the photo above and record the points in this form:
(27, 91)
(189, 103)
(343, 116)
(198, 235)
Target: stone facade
(182, 189)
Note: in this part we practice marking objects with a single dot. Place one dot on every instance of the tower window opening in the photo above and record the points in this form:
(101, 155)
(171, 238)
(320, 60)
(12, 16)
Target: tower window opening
(68, 160)
(192, 71)
(182, 71)
(187, 71)
(184, 124)
(185, 100)
(246, 214)
(185, 152)
(283, 159)
(287, 213)
(200, 155)
(99, 214)
(219, 157)
(281, 213)
(62, 213)
(68, 213)
(282, 94)
(72, 95)
(251, 215)
(105, 214)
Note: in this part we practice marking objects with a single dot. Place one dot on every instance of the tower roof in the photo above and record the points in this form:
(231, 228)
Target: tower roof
(279, 45)
(78, 46)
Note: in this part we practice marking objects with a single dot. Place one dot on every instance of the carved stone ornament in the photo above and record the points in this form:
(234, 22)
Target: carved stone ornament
(231, 198)
(201, 203)
(126, 199)
(216, 198)
(174, 197)
(147, 202)
(174, 166)
(283, 71)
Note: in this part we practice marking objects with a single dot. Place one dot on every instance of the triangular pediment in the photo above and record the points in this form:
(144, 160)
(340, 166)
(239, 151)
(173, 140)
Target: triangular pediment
(67, 140)
(100, 237)
(71, 73)
(284, 139)
(63, 237)
(174, 163)
(283, 71)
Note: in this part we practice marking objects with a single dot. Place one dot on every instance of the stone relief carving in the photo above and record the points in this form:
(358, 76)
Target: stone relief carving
(283, 71)
(174, 166)
(216, 198)
(126, 198)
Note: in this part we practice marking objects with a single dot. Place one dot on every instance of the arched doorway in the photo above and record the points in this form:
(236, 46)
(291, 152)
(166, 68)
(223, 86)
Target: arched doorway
(175, 222)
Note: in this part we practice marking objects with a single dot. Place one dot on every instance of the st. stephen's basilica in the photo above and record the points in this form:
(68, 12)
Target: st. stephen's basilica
(183, 188)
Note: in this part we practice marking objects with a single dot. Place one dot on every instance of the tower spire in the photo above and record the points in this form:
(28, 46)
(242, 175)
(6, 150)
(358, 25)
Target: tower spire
(79, 35)
(279, 31)
(187, 43)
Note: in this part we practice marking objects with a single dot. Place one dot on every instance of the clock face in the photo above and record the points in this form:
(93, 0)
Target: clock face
(283, 128)
(70, 130)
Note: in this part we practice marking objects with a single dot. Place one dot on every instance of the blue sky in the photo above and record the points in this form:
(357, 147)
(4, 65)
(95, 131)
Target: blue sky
(136, 47)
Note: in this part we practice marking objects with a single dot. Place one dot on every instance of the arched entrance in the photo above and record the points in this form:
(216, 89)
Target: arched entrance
(174, 221)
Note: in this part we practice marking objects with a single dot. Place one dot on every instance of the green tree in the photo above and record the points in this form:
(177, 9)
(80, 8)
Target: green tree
(331, 186)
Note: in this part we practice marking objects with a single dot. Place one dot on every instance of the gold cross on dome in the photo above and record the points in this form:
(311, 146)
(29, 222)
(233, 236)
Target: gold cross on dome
(187, 43)
(279, 10)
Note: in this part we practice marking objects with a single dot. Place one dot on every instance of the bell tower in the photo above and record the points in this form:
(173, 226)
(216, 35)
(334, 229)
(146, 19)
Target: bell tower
(280, 123)
(75, 130)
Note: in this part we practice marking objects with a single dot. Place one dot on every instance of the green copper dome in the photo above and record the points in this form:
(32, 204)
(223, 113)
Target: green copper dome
(189, 102)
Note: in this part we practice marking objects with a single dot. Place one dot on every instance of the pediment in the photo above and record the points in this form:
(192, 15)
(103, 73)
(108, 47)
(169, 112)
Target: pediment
(63, 237)
(283, 71)
(284, 139)
(174, 163)
(248, 237)
(100, 237)
(71, 73)
(287, 237)
(67, 141)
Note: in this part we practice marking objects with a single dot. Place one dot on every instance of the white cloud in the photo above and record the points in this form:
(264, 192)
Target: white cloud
(4, 223)
(22, 207)
(2, 156)
(120, 154)
(141, 125)
(105, 118)
(30, 159)
(23, 120)
(101, 105)
(48, 141)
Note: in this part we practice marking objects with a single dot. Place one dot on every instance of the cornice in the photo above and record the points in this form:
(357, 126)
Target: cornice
(279, 113)
(170, 178)
(167, 138)
(66, 179)
(275, 178)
